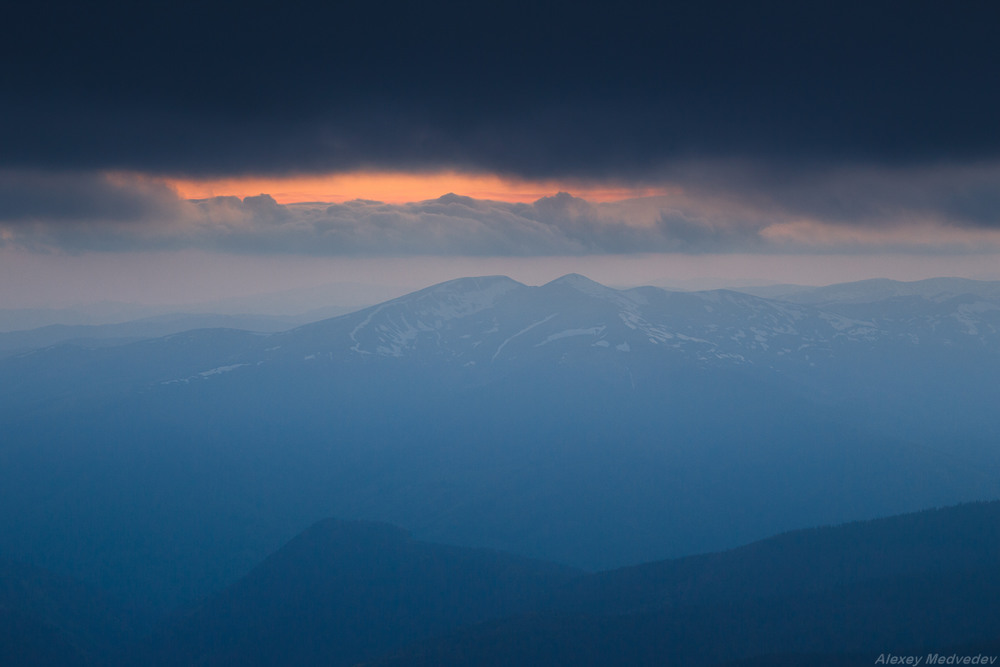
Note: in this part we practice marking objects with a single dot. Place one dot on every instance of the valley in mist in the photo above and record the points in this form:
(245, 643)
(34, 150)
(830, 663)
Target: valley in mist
(568, 428)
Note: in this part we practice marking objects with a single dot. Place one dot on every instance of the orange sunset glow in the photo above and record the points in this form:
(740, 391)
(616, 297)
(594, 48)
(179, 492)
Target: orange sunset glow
(399, 188)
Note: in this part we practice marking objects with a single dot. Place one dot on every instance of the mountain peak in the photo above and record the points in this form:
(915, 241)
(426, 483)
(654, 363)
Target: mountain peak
(577, 281)
(475, 284)
(475, 287)
(477, 293)
(398, 326)
(583, 285)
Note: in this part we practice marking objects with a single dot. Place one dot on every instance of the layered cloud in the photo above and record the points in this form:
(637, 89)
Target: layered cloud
(718, 208)
(774, 127)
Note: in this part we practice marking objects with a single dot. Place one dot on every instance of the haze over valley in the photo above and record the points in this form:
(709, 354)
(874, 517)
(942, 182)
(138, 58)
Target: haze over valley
(537, 333)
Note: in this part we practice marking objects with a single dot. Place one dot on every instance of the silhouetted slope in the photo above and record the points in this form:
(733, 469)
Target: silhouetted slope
(921, 582)
(902, 615)
(988, 649)
(26, 641)
(347, 591)
(49, 619)
(964, 537)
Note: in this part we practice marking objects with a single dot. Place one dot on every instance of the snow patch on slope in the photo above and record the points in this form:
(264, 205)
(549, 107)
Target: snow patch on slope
(592, 331)
(519, 333)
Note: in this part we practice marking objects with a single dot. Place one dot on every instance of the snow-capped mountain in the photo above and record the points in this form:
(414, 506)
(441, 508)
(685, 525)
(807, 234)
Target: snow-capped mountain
(492, 323)
(478, 330)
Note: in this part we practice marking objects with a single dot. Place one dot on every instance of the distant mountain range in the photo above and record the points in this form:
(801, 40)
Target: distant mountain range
(880, 289)
(298, 306)
(568, 422)
(483, 321)
(109, 335)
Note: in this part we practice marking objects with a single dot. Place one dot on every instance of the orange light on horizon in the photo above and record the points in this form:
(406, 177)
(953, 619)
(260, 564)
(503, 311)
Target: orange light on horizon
(399, 188)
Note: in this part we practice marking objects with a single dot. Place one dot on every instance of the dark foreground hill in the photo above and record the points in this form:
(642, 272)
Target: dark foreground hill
(925, 583)
(342, 592)
(52, 620)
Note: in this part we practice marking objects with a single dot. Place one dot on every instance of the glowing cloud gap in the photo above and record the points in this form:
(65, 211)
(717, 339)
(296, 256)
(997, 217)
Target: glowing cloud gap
(402, 188)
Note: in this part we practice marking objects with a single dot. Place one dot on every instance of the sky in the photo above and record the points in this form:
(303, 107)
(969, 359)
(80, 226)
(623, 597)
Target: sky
(188, 151)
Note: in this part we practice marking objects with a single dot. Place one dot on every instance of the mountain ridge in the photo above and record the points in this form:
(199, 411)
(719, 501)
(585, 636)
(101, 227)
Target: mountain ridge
(301, 605)
(590, 426)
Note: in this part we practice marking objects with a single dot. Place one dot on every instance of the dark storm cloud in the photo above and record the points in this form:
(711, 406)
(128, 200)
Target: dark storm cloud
(75, 198)
(534, 89)
(950, 195)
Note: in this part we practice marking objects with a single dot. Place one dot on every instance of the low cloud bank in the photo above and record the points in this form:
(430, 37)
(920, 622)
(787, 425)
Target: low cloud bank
(711, 211)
